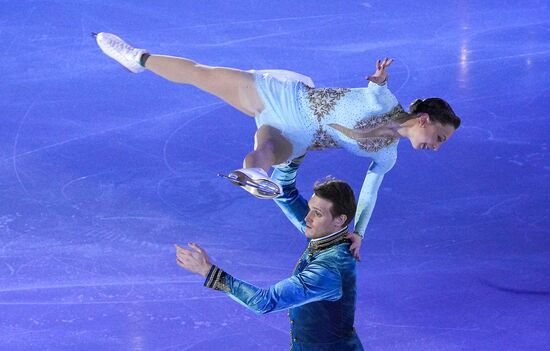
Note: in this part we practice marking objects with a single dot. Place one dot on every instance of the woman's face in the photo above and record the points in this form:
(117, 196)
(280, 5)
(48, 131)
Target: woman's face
(429, 135)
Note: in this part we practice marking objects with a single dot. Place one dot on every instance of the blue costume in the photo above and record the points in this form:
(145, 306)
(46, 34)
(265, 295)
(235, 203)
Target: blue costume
(320, 294)
(314, 119)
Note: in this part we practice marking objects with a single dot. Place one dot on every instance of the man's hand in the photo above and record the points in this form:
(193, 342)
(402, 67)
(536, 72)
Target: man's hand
(380, 76)
(195, 260)
(356, 241)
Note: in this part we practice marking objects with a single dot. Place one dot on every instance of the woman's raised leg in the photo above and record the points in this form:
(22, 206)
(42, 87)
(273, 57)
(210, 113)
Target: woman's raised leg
(234, 86)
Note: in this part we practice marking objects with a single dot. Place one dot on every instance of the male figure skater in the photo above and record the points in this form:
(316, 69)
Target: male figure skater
(320, 294)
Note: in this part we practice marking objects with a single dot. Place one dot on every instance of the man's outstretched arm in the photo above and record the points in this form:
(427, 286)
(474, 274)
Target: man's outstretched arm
(319, 281)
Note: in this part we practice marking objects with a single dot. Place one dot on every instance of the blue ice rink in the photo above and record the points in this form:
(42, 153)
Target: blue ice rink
(103, 171)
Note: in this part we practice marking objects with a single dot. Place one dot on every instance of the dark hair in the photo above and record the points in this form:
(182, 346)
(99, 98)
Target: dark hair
(438, 110)
(340, 194)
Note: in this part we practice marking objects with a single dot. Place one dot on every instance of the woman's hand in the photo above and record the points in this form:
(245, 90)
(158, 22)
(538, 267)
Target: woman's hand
(195, 260)
(380, 76)
(355, 247)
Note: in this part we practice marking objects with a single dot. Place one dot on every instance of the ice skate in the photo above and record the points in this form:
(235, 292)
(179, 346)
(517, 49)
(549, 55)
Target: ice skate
(120, 51)
(255, 181)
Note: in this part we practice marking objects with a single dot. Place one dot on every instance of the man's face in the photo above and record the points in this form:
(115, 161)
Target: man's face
(319, 220)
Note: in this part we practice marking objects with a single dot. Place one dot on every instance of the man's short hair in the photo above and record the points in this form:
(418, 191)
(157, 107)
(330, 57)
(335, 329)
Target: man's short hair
(340, 194)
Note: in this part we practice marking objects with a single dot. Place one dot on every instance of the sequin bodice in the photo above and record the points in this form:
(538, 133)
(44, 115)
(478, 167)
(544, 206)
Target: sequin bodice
(312, 119)
(356, 109)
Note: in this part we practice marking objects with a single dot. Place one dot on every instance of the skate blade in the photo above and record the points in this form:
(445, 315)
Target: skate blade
(262, 189)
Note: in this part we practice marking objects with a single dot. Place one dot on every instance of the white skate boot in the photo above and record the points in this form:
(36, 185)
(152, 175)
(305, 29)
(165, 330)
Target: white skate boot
(255, 181)
(120, 51)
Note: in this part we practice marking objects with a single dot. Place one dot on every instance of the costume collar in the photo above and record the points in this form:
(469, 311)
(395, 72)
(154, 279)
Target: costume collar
(328, 240)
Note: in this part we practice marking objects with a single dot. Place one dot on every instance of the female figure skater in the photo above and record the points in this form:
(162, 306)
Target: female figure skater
(293, 117)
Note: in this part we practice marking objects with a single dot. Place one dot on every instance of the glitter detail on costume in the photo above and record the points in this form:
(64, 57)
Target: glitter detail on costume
(323, 100)
(322, 140)
(377, 121)
(376, 143)
(216, 280)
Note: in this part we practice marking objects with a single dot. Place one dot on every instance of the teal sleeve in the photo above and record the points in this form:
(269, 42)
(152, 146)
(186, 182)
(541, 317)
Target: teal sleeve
(317, 282)
(377, 89)
(293, 205)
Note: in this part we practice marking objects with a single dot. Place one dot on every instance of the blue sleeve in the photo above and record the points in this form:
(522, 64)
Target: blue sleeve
(317, 282)
(293, 205)
(377, 89)
(369, 193)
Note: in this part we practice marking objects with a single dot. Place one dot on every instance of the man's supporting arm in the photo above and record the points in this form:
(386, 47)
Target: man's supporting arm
(293, 205)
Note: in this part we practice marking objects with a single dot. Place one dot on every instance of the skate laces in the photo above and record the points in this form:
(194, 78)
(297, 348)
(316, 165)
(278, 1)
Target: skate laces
(122, 48)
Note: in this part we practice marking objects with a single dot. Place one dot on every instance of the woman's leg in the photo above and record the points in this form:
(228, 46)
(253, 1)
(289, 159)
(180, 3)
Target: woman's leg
(237, 88)
(270, 148)
(234, 86)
